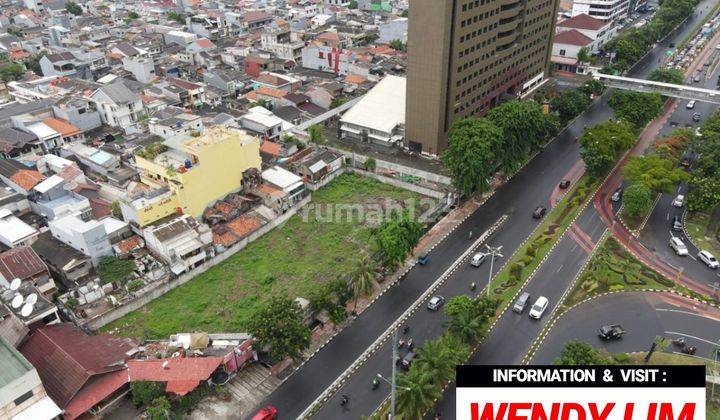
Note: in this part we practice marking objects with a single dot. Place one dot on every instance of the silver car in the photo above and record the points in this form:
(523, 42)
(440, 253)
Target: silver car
(520, 304)
(435, 303)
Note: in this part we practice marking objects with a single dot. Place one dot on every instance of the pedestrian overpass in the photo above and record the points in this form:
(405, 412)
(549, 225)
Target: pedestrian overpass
(665, 89)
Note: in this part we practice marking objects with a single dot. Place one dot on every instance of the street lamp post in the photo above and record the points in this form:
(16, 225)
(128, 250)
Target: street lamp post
(494, 252)
(393, 385)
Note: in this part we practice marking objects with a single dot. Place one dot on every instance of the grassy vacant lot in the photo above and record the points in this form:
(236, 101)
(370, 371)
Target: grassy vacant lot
(292, 259)
(613, 268)
(697, 227)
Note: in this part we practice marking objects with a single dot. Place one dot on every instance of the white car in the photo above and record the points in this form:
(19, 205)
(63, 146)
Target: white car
(679, 246)
(679, 200)
(539, 307)
(478, 259)
(708, 259)
(690, 105)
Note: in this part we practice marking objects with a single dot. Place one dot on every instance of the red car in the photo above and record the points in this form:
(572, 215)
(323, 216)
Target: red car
(267, 413)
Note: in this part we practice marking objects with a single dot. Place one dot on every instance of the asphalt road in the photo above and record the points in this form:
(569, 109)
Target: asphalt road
(532, 186)
(643, 315)
(657, 232)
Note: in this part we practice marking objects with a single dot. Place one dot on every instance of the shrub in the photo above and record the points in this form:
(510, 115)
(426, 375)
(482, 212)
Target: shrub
(144, 392)
(134, 285)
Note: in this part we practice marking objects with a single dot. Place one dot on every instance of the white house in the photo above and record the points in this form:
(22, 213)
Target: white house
(91, 237)
(566, 46)
(263, 122)
(118, 105)
(600, 31)
(286, 181)
(15, 232)
(379, 117)
(183, 243)
(609, 10)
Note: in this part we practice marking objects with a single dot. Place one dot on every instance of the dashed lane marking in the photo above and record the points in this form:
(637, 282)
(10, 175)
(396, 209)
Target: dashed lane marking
(691, 336)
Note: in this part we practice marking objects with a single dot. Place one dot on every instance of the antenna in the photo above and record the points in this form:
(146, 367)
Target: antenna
(17, 301)
(26, 310)
(32, 298)
(15, 284)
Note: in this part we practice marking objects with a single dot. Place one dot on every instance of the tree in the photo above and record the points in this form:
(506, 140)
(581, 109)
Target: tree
(370, 164)
(592, 87)
(398, 45)
(525, 129)
(635, 107)
(704, 193)
(279, 326)
(115, 270)
(316, 134)
(115, 209)
(579, 353)
(16, 31)
(73, 8)
(370, 38)
(397, 236)
(467, 317)
(674, 146)
(655, 172)
(416, 393)
(637, 200)
(177, 17)
(33, 64)
(667, 75)
(404, 13)
(474, 147)
(144, 392)
(440, 356)
(569, 104)
(353, 4)
(583, 55)
(159, 409)
(330, 299)
(601, 145)
(361, 282)
(337, 101)
(133, 15)
(11, 72)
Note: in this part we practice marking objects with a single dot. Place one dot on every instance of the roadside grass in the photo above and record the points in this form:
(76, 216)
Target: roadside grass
(294, 259)
(633, 223)
(613, 268)
(696, 225)
(528, 257)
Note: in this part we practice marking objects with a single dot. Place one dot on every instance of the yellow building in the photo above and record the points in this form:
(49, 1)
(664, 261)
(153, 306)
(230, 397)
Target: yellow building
(187, 174)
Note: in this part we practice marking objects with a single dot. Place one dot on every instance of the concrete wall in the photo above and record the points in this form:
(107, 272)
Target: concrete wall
(155, 291)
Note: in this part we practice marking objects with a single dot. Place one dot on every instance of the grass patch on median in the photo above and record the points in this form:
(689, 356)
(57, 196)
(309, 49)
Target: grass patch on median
(613, 268)
(293, 259)
(530, 254)
(697, 225)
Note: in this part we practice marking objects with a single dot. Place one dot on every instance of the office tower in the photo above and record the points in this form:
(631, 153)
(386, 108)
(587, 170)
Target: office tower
(465, 56)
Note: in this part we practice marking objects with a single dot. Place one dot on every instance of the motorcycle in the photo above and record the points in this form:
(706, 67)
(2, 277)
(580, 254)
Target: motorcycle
(344, 400)
(375, 384)
(405, 330)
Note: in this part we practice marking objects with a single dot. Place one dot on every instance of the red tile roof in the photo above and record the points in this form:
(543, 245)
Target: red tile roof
(572, 37)
(275, 93)
(21, 262)
(182, 374)
(100, 208)
(63, 127)
(97, 389)
(183, 83)
(27, 178)
(66, 358)
(271, 148)
(130, 244)
(355, 79)
(583, 21)
(244, 225)
(205, 43)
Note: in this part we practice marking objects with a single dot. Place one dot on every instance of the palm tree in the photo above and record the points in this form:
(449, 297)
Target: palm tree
(361, 282)
(436, 358)
(417, 393)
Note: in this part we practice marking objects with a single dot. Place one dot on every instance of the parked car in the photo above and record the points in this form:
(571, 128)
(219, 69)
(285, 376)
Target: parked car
(435, 303)
(539, 212)
(539, 307)
(564, 183)
(679, 246)
(676, 223)
(690, 105)
(708, 259)
(679, 200)
(407, 360)
(697, 78)
(617, 195)
(611, 332)
(478, 259)
(521, 302)
(696, 116)
(267, 413)
(424, 259)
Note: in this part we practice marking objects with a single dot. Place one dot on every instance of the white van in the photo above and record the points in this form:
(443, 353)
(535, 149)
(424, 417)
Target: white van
(690, 105)
(539, 307)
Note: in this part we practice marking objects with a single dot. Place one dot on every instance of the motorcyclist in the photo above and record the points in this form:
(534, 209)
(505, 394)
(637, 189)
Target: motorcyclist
(470, 234)
(473, 286)
(344, 399)
(375, 383)
(405, 329)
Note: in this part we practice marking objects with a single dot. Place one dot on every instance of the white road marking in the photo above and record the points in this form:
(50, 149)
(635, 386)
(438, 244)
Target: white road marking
(667, 217)
(691, 336)
(560, 268)
(678, 311)
(690, 255)
(692, 355)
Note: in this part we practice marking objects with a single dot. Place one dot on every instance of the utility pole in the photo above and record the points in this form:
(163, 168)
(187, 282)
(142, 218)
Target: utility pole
(394, 373)
(493, 252)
